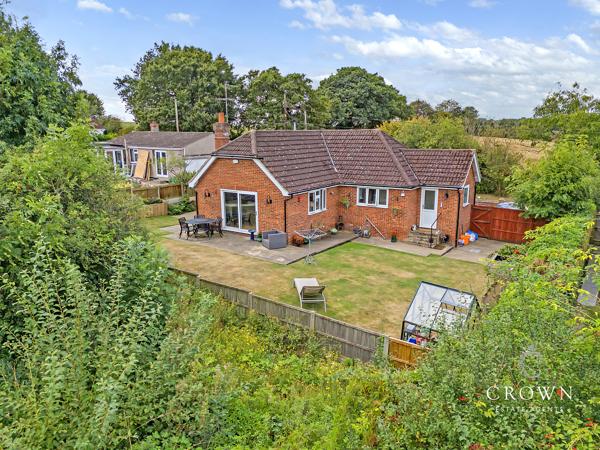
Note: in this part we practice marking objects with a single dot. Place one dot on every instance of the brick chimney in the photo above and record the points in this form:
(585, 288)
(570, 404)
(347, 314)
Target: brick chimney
(221, 129)
(154, 126)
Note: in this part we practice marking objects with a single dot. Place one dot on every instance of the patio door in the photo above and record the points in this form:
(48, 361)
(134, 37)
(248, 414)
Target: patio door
(429, 201)
(240, 210)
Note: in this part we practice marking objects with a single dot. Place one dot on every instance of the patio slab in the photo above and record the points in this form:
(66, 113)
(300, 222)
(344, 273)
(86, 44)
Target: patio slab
(476, 251)
(404, 247)
(241, 244)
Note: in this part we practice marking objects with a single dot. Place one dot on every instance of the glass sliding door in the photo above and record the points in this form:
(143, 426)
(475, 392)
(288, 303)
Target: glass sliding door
(248, 211)
(239, 210)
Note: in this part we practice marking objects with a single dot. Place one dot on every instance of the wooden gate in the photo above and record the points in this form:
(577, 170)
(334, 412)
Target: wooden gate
(501, 224)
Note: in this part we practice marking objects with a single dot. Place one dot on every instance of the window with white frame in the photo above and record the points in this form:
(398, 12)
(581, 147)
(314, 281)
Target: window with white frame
(466, 195)
(368, 196)
(133, 157)
(161, 163)
(317, 201)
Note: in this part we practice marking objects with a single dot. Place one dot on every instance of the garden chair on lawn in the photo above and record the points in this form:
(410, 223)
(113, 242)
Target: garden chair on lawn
(184, 227)
(309, 291)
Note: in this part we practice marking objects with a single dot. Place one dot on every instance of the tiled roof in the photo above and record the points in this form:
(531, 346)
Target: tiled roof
(304, 160)
(440, 167)
(159, 139)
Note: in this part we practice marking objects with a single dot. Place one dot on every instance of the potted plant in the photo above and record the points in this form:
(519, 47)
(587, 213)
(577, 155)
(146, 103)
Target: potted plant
(394, 236)
(334, 230)
(259, 237)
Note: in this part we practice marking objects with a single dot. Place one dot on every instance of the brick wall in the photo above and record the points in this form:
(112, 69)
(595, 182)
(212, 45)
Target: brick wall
(402, 211)
(243, 176)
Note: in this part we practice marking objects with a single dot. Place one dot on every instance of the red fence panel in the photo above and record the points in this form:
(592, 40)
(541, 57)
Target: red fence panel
(501, 224)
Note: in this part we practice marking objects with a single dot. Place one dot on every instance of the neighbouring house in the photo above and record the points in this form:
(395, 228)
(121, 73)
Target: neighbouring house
(146, 155)
(293, 180)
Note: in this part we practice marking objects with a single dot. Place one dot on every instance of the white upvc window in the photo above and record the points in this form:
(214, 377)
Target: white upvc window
(317, 201)
(466, 193)
(133, 157)
(161, 163)
(370, 196)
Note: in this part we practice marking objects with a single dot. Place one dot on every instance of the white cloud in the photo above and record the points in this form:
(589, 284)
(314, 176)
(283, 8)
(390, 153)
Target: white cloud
(126, 13)
(325, 14)
(592, 6)
(579, 42)
(481, 3)
(93, 5)
(444, 30)
(502, 77)
(297, 24)
(181, 17)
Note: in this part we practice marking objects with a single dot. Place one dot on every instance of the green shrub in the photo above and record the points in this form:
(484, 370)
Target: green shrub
(152, 201)
(182, 206)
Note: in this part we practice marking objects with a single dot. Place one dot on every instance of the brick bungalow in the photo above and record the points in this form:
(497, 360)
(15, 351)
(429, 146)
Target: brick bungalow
(292, 180)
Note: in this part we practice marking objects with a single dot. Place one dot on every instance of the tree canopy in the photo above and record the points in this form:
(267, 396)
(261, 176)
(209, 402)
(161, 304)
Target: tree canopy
(191, 75)
(421, 132)
(360, 99)
(567, 101)
(272, 100)
(564, 181)
(37, 85)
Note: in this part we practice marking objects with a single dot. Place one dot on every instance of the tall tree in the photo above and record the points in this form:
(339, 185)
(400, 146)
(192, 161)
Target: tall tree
(271, 100)
(36, 86)
(567, 101)
(360, 99)
(450, 107)
(88, 104)
(564, 181)
(420, 108)
(190, 75)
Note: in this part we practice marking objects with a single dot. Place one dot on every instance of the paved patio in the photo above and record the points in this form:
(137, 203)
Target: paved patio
(242, 245)
(404, 247)
(476, 251)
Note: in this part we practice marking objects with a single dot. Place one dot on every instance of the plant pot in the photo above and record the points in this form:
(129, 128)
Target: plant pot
(394, 238)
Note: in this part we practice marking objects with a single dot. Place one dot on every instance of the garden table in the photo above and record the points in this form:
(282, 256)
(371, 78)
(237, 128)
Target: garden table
(205, 222)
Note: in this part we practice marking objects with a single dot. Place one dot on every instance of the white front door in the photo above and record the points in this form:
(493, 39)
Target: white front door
(239, 210)
(429, 201)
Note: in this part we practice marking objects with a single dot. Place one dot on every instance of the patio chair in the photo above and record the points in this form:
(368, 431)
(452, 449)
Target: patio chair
(309, 291)
(274, 239)
(184, 227)
(218, 227)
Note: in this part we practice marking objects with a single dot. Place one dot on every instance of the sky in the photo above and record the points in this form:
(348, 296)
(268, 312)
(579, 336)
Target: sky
(501, 56)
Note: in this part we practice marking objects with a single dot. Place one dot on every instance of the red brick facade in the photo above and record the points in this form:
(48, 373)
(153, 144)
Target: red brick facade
(402, 211)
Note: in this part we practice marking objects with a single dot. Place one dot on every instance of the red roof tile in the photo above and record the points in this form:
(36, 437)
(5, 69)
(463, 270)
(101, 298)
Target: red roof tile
(304, 160)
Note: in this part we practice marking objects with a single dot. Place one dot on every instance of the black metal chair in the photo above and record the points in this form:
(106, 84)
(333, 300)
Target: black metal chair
(218, 227)
(184, 227)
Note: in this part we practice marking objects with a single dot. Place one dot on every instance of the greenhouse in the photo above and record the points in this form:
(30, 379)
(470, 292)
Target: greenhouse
(435, 308)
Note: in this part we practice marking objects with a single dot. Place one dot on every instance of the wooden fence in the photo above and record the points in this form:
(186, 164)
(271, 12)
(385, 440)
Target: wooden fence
(350, 340)
(501, 224)
(164, 192)
(155, 209)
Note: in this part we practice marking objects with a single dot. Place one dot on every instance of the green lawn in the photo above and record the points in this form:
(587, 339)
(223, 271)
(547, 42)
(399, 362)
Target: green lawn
(366, 285)
(153, 223)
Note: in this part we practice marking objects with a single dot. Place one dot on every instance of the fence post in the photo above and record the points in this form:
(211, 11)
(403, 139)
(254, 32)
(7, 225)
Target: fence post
(158, 191)
(386, 345)
(311, 323)
(251, 300)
